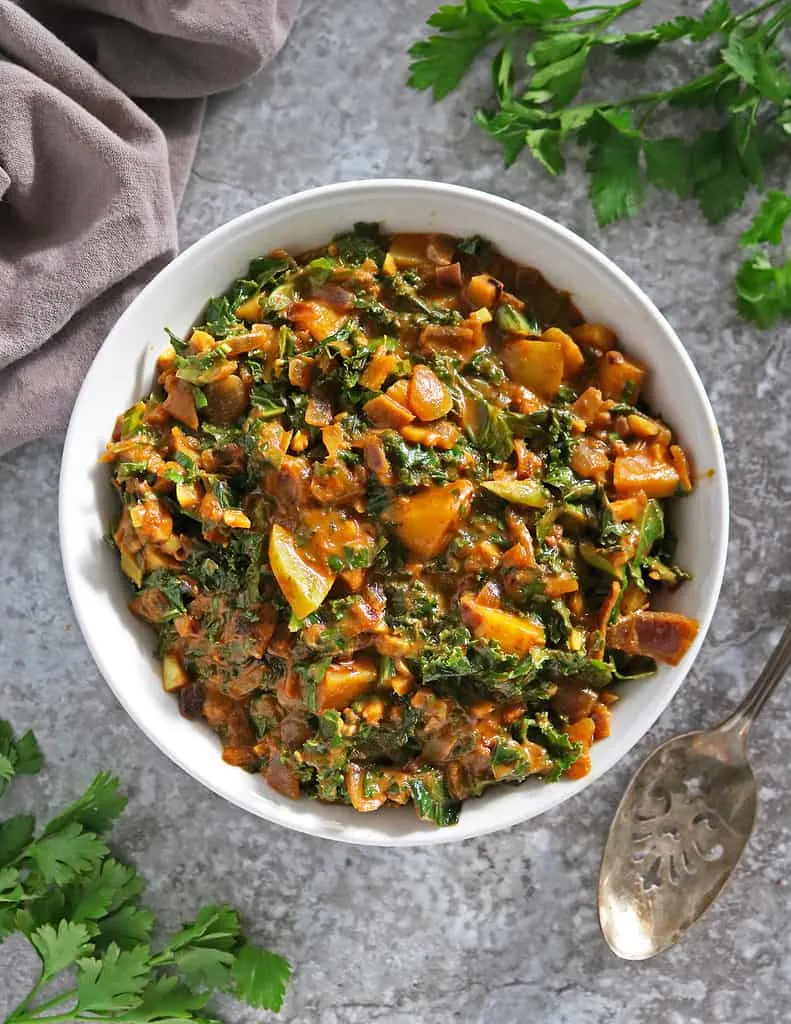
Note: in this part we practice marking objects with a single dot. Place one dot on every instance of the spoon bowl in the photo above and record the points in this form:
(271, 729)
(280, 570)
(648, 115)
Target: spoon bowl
(681, 827)
(676, 837)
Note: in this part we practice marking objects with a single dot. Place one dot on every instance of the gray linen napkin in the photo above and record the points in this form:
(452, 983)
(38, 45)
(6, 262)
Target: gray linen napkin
(101, 104)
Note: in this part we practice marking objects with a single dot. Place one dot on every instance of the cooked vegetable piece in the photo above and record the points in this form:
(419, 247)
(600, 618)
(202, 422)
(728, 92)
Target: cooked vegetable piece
(641, 470)
(303, 585)
(528, 493)
(665, 636)
(344, 682)
(619, 378)
(384, 411)
(427, 396)
(226, 400)
(537, 365)
(515, 634)
(573, 359)
(425, 522)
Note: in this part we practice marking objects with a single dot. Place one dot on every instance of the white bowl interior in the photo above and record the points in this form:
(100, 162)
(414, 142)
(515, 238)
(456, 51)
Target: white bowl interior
(123, 371)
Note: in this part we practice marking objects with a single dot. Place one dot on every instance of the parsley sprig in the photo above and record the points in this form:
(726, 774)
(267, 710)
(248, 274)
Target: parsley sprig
(539, 69)
(81, 911)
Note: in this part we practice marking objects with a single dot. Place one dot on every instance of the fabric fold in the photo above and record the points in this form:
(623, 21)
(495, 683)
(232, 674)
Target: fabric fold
(100, 110)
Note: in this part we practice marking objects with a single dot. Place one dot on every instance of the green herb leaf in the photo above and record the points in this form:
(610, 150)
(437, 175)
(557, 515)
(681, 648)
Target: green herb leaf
(204, 949)
(763, 291)
(769, 221)
(441, 61)
(17, 757)
(114, 983)
(720, 181)
(544, 144)
(109, 886)
(261, 977)
(669, 165)
(616, 185)
(96, 809)
(65, 855)
(60, 948)
(562, 79)
(128, 927)
(15, 834)
(166, 1001)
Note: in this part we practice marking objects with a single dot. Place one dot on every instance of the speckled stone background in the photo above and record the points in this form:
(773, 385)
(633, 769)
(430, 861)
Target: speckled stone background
(503, 928)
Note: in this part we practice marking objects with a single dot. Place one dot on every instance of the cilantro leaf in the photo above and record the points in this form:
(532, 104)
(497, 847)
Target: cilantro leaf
(109, 886)
(616, 187)
(763, 291)
(668, 163)
(15, 834)
(127, 927)
(79, 906)
(114, 983)
(10, 889)
(28, 755)
(508, 128)
(96, 809)
(204, 949)
(60, 948)
(441, 61)
(544, 144)
(720, 183)
(769, 221)
(166, 999)
(261, 977)
(17, 757)
(744, 53)
(562, 79)
(65, 855)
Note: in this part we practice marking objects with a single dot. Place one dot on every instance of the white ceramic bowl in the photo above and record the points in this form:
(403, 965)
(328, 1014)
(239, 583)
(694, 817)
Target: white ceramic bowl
(123, 370)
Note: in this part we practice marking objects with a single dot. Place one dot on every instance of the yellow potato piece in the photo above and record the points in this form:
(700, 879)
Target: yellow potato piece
(303, 586)
(537, 365)
(173, 675)
(344, 682)
(515, 634)
(426, 521)
(573, 359)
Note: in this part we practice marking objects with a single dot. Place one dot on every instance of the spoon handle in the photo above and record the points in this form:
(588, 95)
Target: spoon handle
(774, 670)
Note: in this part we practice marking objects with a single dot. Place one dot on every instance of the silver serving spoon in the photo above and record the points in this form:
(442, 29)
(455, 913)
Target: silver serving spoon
(681, 827)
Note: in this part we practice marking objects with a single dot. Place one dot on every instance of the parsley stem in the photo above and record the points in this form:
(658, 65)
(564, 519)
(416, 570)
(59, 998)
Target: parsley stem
(607, 15)
(58, 1018)
(755, 11)
(54, 1001)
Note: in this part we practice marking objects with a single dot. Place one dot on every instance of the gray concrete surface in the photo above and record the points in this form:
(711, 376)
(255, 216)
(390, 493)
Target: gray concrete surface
(498, 929)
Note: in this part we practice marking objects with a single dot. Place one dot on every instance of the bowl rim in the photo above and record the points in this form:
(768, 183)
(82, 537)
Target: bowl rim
(626, 738)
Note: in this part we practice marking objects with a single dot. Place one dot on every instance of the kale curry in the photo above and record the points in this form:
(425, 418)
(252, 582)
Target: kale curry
(396, 512)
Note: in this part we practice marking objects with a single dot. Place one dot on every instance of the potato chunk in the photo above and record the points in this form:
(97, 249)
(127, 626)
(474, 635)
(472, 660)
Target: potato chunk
(640, 471)
(619, 378)
(515, 634)
(426, 521)
(344, 682)
(537, 365)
